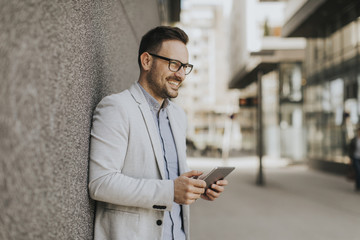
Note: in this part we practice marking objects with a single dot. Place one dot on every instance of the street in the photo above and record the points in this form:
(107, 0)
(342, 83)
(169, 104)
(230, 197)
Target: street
(296, 203)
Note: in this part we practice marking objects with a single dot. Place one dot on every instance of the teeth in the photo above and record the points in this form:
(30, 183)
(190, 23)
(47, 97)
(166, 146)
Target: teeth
(174, 83)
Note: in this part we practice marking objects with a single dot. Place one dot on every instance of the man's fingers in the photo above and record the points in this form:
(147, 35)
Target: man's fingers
(208, 196)
(191, 198)
(223, 182)
(193, 173)
(188, 189)
(198, 183)
(194, 196)
(194, 186)
(197, 189)
(212, 195)
(217, 188)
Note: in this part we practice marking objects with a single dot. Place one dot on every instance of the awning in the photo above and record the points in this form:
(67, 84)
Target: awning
(320, 18)
(244, 77)
(264, 61)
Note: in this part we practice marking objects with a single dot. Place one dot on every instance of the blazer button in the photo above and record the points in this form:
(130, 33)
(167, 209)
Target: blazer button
(159, 222)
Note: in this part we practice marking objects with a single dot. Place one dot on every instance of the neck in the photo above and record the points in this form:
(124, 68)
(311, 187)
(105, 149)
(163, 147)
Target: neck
(145, 85)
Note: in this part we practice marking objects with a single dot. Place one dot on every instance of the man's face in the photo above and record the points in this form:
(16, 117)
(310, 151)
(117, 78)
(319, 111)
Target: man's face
(162, 82)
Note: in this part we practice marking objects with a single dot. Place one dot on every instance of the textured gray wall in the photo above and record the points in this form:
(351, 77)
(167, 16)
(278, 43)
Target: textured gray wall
(57, 60)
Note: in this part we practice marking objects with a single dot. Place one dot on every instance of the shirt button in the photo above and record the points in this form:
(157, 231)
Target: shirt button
(159, 222)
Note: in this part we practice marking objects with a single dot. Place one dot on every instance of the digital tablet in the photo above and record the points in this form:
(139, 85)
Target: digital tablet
(216, 174)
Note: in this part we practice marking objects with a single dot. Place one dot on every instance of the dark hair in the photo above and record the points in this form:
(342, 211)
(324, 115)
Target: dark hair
(152, 40)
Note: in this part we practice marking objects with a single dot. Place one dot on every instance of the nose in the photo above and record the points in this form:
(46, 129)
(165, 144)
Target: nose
(181, 73)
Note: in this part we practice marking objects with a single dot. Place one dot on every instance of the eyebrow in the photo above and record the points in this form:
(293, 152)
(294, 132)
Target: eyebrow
(168, 59)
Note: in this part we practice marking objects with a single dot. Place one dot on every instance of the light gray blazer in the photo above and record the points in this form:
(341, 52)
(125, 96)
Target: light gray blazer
(126, 175)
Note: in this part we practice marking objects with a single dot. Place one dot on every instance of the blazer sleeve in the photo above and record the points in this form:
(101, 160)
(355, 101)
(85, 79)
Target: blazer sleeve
(108, 146)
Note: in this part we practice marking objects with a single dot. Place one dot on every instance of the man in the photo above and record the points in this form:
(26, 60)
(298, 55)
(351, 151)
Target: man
(354, 154)
(138, 172)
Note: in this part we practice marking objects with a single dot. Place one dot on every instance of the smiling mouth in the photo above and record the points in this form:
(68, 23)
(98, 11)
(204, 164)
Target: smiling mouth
(175, 83)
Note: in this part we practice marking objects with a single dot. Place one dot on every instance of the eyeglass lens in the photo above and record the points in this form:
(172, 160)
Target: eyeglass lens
(175, 66)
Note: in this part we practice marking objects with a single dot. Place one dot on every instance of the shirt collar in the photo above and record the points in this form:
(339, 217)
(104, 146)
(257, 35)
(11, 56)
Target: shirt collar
(153, 103)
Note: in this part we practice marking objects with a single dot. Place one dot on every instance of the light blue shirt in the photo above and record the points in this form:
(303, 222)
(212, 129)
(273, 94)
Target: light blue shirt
(173, 225)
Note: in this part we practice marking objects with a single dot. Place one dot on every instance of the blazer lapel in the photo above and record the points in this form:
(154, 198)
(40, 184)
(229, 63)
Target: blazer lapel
(178, 134)
(151, 127)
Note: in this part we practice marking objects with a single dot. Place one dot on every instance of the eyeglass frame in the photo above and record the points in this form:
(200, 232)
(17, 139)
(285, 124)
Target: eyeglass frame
(182, 65)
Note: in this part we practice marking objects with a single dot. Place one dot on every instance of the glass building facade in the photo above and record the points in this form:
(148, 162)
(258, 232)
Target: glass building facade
(291, 115)
(331, 93)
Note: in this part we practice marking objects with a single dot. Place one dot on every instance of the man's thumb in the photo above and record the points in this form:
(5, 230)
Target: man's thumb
(192, 173)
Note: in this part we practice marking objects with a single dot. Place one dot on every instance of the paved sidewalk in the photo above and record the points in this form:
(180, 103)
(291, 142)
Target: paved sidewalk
(297, 203)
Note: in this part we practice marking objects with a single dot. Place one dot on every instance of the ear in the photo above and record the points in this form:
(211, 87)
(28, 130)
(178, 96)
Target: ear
(146, 61)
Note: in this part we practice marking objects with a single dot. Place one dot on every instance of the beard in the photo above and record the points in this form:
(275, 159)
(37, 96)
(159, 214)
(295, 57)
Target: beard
(159, 87)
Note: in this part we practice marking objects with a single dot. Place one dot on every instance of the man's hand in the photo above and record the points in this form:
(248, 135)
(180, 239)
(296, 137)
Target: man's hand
(187, 189)
(215, 190)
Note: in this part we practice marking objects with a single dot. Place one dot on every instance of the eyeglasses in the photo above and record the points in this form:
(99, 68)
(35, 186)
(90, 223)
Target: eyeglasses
(175, 65)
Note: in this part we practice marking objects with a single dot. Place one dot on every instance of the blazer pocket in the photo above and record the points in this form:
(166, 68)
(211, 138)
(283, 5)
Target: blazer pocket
(122, 224)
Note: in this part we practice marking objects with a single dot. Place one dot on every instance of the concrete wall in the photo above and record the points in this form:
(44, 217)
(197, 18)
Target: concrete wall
(57, 60)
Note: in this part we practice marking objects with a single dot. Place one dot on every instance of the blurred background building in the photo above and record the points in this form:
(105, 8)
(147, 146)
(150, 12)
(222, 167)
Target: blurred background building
(332, 75)
(279, 61)
(210, 105)
(242, 38)
(307, 56)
